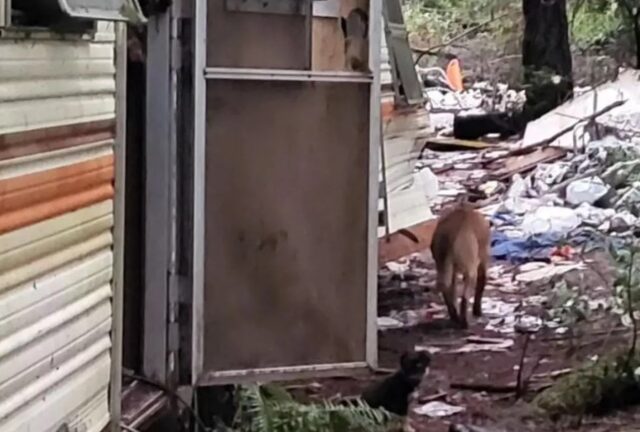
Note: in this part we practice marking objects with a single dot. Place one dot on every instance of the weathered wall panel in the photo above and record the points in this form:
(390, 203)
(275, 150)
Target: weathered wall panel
(255, 40)
(286, 224)
(327, 41)
(57, 116)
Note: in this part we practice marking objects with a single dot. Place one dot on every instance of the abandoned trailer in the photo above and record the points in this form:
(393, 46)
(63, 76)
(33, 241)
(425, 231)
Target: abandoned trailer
(201, 212)
(62, 75)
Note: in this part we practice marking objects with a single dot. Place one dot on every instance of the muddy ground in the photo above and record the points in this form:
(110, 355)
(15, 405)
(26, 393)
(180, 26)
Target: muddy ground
(412, 296)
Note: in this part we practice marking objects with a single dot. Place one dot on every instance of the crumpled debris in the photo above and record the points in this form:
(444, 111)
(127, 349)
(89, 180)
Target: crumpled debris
(388, 323)
(437, 409)
(587, 190)
(481, 96)
(469, 428)
(544, 273)
(593, 216)
(548, 219)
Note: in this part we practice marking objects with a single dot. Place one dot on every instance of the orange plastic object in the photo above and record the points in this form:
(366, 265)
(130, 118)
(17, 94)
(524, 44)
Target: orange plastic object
(454, 75)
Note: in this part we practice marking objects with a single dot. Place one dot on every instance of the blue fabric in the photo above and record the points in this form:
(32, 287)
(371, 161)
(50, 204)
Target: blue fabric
(537, 247)
(516, 250)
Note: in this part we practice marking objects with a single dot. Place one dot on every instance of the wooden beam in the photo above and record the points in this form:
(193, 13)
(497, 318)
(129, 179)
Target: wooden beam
(398, 245)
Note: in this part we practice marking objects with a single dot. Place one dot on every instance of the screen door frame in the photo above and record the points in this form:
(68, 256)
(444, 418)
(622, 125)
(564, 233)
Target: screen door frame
(202, 74)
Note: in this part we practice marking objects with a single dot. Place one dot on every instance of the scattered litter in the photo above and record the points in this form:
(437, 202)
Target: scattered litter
(491, 187)
(499, 346)
(550, 220)
(430, 349)
(562, 252)
(437, 409)
(547, 272)
(593, 216)
(388, 323)
(469, 428)
(429, 183)
(528, 324)
(399, 267)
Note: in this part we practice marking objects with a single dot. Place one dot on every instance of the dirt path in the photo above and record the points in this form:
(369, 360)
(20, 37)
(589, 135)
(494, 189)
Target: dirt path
(411, 298)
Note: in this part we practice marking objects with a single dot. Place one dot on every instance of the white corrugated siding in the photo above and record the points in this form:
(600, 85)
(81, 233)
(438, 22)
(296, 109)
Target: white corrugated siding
(54, 83)
(403, 135)
(56, 274)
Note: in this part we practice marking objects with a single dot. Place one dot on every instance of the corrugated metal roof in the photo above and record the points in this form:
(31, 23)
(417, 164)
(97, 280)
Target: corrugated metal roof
(57, 99)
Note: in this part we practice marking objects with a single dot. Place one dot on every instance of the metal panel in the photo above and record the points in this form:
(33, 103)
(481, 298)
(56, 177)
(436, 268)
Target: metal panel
(56, 220)
(157, 198)
(112, 10)
(375, 144)
(286, 7)
(117, 282)
(408, 87)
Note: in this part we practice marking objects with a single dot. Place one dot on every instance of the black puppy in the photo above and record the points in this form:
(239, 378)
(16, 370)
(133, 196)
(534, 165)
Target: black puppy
(393, 392)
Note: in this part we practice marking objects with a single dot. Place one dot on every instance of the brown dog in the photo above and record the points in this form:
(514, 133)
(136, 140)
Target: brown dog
(460, 245)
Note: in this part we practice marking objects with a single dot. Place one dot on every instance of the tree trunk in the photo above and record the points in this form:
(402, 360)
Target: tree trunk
(636, 36)
(546, 56)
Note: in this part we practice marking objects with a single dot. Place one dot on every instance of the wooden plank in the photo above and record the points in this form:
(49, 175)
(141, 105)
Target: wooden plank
(527, 162)
(400, 243)
(457, 144)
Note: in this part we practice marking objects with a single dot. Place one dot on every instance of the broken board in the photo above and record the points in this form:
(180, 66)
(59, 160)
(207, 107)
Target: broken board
(399, 244)
(523, 163)
(453, 144)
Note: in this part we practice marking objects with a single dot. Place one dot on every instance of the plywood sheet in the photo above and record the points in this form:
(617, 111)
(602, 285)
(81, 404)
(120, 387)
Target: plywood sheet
(255, 40)
(285, 224)
(328, 45)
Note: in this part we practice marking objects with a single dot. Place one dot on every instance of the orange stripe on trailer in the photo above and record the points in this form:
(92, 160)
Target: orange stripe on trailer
(14, 184)
(13, 220)
(55, 189)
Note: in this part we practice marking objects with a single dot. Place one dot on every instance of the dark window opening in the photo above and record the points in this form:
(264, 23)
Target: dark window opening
(45, 14)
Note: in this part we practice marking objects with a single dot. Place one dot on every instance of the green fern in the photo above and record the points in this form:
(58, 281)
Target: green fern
(271, 409)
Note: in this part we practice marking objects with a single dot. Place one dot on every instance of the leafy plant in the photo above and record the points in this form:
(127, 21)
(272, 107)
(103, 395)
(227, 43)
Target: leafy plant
(597, 388)
(627, 285)
(271, 409)
(594, 22)
(568, 306)
(614, 381)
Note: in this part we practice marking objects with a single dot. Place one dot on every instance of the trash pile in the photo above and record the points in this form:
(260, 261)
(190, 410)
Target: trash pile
(571, 185)
(571, 179)
(596, 190)
(444, 92)
(480, 97)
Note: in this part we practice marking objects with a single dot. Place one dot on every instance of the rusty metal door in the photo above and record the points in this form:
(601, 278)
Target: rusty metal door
(285, 198)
